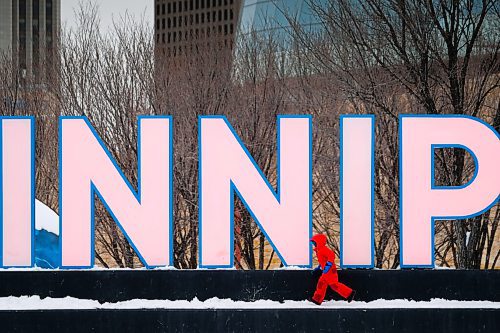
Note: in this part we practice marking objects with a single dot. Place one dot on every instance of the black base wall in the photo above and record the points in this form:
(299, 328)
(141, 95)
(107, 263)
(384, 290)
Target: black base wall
(113, 286)
(268, 320)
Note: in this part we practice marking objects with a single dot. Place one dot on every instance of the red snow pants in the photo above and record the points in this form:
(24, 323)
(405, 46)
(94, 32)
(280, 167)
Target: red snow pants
(330, 279)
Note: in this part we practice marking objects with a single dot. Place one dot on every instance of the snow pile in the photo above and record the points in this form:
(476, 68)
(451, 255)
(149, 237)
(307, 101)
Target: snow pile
(45, 218)
(36, 303)
(47, 254)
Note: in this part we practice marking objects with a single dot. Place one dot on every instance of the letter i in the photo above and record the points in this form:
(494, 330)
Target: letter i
(17, 193)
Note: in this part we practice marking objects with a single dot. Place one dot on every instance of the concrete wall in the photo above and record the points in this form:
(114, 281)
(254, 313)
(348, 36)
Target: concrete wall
(279, 285)
(113, 286)
(255, 320)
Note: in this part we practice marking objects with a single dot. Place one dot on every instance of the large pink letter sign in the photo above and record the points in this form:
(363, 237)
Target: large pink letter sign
(357, 159)
(227, 167)
(87, 169)
(18, 191)
(421, 201)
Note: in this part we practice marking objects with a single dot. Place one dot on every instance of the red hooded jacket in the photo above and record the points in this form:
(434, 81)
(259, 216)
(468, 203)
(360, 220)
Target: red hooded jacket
(330, 278)
(323, 253)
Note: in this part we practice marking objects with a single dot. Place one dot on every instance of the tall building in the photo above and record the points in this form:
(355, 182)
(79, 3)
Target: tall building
(275, 21)
(181, 25)
(272, 17)
(29, 32)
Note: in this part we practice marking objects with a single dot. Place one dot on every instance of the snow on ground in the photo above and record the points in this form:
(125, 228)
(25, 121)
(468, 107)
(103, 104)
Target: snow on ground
(46, 218)
(35, 303)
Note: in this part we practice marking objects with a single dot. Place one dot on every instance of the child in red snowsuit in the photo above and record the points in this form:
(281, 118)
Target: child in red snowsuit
(329, 277)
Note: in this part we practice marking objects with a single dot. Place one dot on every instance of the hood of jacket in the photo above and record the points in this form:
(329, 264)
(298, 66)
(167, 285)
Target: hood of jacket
(320, 240)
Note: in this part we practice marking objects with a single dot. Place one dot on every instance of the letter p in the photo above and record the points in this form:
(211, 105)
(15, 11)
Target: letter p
(421, 203)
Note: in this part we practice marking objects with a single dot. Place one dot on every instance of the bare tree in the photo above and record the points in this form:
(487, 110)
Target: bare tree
(393, 56)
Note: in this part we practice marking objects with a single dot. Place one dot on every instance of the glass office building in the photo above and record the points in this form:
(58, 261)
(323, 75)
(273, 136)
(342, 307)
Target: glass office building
(273, 17)
(273, 22)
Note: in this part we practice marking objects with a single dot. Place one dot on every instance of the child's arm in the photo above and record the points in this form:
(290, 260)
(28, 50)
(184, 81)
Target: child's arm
(328, 265)
(330, 261)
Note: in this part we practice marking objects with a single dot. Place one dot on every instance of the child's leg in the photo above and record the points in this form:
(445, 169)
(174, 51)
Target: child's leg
(341, 289)
(319, 294)
(338, 287)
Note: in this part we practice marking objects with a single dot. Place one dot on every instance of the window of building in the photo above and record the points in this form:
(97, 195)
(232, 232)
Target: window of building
(48, 23)
(35, 30)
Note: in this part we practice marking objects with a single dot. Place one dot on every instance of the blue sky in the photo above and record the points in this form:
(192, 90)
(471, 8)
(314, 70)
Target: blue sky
(109, 10)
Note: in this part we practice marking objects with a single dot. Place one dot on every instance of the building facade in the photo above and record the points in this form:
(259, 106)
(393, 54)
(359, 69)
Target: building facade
(181, 26)
(29, 31)
(272, 17)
